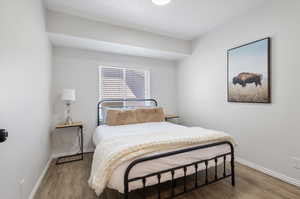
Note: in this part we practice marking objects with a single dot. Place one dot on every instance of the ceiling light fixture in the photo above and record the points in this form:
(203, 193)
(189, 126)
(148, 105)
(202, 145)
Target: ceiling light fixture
(161, 2)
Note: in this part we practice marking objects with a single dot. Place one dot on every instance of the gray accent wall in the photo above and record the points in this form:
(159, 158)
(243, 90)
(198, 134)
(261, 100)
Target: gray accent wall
(78, 69)
(267, 134)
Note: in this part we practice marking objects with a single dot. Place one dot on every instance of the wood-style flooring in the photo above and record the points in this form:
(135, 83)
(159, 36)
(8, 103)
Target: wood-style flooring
(69, 181)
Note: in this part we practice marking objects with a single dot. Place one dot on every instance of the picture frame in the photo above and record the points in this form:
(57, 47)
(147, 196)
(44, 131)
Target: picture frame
(248, 72)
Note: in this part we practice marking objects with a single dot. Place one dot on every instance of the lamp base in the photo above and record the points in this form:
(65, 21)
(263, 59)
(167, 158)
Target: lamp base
(68, 121)
(68, 114)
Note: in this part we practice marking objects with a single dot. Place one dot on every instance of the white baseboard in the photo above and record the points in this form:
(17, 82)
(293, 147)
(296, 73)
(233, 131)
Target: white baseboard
(269, 172)
(39, 181)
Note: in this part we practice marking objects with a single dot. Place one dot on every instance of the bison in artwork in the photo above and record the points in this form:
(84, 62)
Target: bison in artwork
(247, 78)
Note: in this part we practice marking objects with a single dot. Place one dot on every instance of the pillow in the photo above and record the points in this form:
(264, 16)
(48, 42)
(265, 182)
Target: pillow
(120, 117)
(105, 109)
(150, 115)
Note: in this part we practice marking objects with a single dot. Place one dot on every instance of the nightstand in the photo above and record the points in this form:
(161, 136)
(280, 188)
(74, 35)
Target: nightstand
(172, 118)
(79, 126)
(169, 117)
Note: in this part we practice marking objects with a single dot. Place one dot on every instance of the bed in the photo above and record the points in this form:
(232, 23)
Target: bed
(156, 167)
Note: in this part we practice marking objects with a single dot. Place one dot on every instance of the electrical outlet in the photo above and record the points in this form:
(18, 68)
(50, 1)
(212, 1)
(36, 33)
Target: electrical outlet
(21, 183)
(296, 162)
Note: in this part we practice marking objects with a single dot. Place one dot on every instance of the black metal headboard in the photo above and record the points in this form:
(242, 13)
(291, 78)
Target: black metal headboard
(123, 103)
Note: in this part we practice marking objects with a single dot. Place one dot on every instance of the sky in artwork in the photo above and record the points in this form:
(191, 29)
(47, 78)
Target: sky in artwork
(251, 58)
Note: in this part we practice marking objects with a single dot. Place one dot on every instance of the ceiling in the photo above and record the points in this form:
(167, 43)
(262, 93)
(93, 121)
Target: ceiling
(183, 19)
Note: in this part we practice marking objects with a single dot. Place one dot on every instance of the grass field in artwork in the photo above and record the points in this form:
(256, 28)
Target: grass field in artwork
(250, 93)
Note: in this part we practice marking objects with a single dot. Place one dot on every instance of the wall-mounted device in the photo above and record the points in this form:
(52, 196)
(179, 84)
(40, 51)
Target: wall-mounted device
(3, 135)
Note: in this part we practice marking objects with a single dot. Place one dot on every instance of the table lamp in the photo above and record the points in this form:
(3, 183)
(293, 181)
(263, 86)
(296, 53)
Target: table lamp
(68, 96)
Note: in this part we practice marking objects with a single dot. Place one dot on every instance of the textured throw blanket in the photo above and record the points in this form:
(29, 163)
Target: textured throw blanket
(111, 153)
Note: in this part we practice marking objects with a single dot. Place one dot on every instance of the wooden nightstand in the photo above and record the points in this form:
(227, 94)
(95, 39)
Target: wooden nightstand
(79, 126)
(170, 117)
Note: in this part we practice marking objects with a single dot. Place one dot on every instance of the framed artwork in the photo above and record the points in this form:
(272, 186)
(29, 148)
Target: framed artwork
(248, 72)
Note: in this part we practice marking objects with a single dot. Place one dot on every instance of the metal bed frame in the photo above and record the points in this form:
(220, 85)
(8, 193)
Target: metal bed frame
(172, 171)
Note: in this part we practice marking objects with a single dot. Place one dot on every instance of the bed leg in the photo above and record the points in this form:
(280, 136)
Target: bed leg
(233, 178)
(126, 183)
(232, 170)
(126, 191)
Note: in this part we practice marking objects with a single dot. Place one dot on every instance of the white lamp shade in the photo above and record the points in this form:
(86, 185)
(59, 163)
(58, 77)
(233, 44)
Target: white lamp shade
(161, 2)
(68, 95)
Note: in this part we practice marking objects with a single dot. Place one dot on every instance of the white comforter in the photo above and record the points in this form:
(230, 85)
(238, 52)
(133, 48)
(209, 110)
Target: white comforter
(109, 134)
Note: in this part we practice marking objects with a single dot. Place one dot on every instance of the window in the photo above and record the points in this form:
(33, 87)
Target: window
(123, 83)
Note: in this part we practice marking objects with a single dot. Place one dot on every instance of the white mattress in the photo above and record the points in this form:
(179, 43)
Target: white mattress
(116, 181)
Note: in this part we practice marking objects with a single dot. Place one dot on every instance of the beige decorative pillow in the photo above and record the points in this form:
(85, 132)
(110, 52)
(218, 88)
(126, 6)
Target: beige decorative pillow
(150, 115)
(123, 117)
(118, 117)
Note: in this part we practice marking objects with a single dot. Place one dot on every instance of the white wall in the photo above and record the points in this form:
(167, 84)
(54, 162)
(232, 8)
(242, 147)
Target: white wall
(25, 79)
(267, 134)
(74, 68)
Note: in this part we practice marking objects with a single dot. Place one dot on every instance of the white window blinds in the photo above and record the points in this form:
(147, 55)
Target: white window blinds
(123, 83)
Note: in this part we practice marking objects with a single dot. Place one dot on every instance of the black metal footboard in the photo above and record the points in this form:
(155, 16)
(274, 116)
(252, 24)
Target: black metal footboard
(172, 171)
